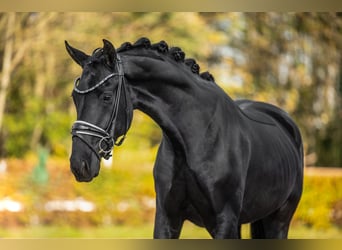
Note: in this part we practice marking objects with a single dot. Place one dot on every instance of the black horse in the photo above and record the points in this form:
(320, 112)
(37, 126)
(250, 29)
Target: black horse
(221, 163)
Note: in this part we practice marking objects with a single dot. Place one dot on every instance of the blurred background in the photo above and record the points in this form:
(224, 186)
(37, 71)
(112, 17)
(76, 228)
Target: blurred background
(292, 60)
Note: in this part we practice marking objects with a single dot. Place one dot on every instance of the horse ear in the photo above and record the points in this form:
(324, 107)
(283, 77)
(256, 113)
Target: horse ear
(78, 56)
(109, 52)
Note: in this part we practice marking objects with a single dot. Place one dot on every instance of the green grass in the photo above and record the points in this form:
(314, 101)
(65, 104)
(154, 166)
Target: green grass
(145, 232)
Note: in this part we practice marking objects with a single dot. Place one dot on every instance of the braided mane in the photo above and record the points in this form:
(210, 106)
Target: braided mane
(174, 52)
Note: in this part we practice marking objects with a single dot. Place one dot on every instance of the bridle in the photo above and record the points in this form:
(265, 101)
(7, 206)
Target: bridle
(106, 136)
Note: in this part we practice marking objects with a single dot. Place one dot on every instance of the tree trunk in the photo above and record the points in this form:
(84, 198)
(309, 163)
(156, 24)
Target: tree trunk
(7, 61)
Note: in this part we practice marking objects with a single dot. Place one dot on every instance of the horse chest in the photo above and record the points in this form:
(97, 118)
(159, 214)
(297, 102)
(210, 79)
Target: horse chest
(186, 197)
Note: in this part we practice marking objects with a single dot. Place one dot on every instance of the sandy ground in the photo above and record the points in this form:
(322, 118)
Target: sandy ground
(323, 171)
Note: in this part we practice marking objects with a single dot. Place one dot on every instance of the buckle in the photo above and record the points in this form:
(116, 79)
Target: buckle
(106, 145)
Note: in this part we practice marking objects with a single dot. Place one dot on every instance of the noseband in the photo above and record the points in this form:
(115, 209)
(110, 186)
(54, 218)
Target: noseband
(106, 136)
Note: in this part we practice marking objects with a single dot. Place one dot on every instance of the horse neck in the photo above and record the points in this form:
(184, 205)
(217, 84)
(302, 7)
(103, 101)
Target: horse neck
(180, 102)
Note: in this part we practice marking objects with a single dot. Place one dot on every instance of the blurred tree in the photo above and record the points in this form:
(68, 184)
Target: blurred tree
(6, 64)
(10, 25)
(29, 99)
(290, 59)
(39, 110)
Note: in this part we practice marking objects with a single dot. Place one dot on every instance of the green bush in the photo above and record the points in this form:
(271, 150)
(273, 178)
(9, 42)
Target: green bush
(124, 194)
(320, 194)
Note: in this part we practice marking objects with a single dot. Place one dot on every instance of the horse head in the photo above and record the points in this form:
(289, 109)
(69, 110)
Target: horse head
(104, 109)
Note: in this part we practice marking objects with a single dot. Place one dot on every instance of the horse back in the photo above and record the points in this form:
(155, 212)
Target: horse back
(270, 114)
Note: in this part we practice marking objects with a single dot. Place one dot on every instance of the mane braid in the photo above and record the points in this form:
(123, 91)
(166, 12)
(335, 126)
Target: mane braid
(142, 42)
(207, 76)
(162, 47)
(193, 65)
(177, 54)
(125, 46)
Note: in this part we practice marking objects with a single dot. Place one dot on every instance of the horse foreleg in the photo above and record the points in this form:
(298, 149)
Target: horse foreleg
(166, 227)
(227, 225)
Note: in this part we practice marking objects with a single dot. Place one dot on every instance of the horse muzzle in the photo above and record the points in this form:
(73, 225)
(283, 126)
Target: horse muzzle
(83, 170)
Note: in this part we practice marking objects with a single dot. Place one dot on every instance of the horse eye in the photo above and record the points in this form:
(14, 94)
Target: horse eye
(107, 98)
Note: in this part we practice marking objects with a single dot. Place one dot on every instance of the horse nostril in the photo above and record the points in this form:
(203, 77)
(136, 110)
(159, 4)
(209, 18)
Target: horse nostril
(85, 167)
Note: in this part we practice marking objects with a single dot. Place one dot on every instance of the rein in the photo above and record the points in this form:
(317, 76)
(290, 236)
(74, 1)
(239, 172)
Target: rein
(106, 136)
